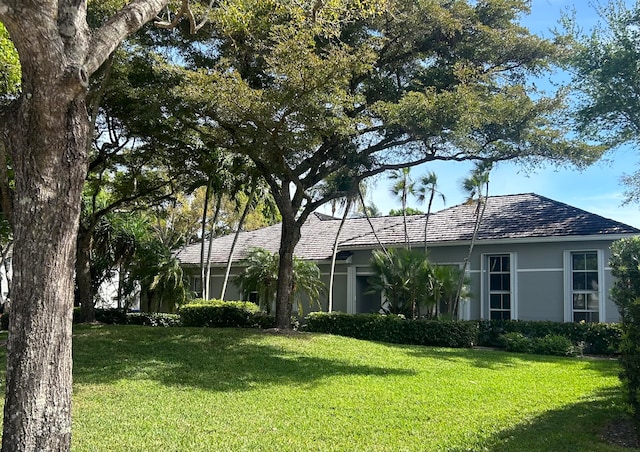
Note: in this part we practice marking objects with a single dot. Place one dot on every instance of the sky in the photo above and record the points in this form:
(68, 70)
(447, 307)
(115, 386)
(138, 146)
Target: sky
(597, 189)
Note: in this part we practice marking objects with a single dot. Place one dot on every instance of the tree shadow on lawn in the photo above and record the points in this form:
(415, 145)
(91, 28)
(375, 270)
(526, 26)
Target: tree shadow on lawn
(500, 359)
(582, 426)
(212, 359)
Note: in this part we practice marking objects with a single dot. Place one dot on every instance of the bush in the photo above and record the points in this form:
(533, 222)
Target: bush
(596, 338)
(394, 329)
(4, 321)
(547, 345)
(217, 313)
(153, 319)
(625, 266)
(111, 316)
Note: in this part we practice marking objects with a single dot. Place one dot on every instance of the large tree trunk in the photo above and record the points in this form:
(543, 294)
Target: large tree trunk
(46, 132)
(85, 292)
(284, 295)
(48, 147)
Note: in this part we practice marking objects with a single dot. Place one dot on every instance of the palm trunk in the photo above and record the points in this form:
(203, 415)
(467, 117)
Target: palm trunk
(373, 230)
(476, 229)
(335, 253)
(426, 221)
(245, 211)
(203, 232)
(212, 230)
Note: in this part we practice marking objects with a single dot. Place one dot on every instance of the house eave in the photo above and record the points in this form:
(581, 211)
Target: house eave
(503, 241)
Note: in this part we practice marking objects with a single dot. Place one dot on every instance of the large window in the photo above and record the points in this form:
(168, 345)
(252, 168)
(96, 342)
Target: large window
(585, 294)
(499, 283)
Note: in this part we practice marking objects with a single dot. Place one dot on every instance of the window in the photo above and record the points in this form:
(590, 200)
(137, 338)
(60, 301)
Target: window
(196, 286)
(499, 283)
(585, 294)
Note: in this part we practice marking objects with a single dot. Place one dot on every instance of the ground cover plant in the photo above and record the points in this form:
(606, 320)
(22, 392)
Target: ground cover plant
(190, 389)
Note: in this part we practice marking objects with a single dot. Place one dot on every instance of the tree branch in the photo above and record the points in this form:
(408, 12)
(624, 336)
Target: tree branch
(126, 22)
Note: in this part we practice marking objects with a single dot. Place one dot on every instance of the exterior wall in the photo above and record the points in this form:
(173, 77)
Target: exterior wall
(539, 277)
(539, 280)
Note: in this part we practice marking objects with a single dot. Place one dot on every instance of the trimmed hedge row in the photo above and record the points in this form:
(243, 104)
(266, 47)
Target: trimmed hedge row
(394, 329)
(591, 338)
(224, 314)
(524, 336)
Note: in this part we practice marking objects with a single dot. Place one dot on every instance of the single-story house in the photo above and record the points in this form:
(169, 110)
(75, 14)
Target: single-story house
(534, 258)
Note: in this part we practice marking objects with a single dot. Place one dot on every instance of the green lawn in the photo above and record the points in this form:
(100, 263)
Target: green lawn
(189, 389)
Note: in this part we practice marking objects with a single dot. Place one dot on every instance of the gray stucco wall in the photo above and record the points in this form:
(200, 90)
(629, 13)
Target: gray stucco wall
(539, 277)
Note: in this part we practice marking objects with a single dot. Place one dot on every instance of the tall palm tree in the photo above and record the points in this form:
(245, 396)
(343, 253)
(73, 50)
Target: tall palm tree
(347, 201)
(427, 187)
(477, 187)
(402, 188)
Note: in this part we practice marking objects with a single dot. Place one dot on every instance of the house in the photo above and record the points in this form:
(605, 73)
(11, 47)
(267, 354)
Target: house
(534, 258)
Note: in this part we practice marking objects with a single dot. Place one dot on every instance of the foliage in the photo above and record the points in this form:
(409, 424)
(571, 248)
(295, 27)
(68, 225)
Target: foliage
(308, 90)
(595, 338)
(155, 319)
(10, 72)
(403, 276)
(223, 314)
(625, 266)
(605, 80)
(547, 345)
(408, 211)
(261, 274)
(394, 329)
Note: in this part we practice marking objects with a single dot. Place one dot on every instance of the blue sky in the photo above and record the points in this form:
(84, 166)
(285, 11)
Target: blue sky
(597, 189)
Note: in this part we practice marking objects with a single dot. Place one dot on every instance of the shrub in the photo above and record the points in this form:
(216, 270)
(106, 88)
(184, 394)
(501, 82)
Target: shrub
(4, 321)
(217, 313)
(394, 329)
(516, 342)
(625, 266)
(111, 316)
(597, 338)
(153, 319)
(263, 321)
(548, 345)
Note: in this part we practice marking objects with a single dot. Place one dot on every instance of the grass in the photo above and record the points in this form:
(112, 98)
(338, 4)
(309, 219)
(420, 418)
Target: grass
(189, 389)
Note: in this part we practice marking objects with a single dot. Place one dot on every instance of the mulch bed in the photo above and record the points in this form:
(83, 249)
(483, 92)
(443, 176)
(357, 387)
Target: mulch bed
(621, 432)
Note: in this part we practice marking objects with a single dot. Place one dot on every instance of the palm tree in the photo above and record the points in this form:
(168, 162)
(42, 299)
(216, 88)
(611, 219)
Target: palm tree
(428, 188)
(253, 189)
(261, 276)
(403, 276)
(403, 187)
(477, 187)
(344, 185)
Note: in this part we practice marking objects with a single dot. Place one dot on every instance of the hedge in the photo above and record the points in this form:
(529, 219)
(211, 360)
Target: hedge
(591, 338)
(229, 314)
(394, 329)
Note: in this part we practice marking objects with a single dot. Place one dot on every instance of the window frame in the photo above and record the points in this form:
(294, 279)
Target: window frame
(485, 286)
(569, 291)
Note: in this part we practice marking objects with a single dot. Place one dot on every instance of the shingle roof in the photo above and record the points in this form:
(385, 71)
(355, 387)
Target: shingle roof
(520, 216)
(316, 242)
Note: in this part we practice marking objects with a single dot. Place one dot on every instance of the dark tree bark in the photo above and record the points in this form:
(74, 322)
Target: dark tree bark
(284, 293)
(85, 291)
(45, 132)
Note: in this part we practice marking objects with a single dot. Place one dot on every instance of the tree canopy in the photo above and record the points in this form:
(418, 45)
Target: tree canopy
(309, 92)
(606, 82)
